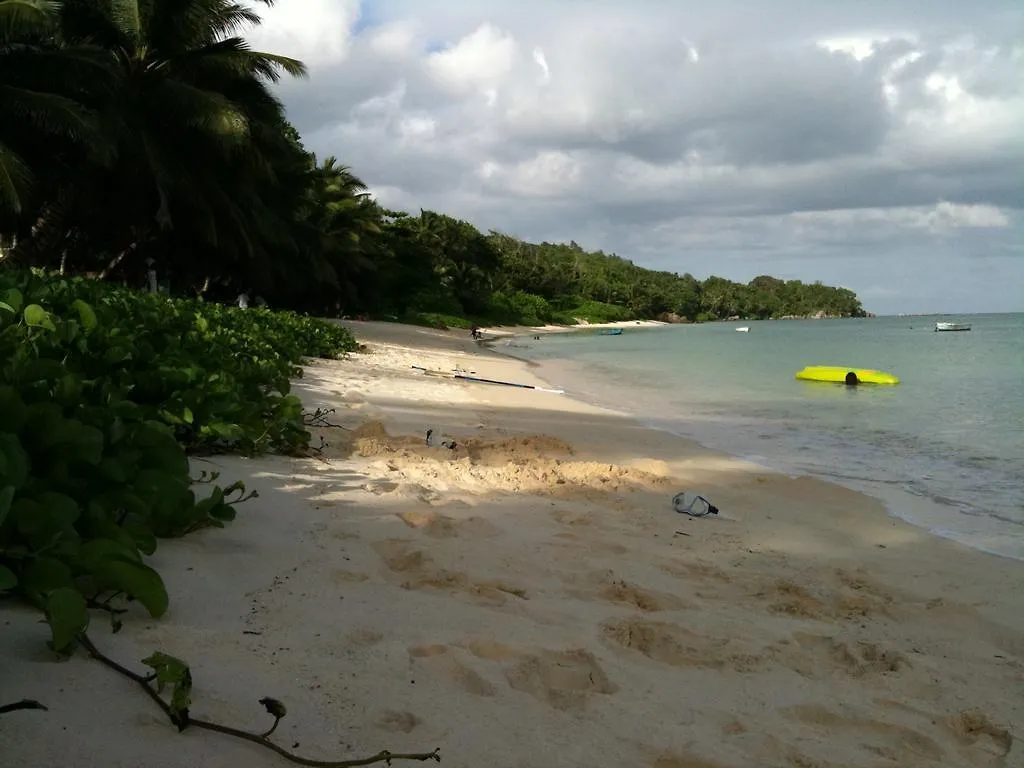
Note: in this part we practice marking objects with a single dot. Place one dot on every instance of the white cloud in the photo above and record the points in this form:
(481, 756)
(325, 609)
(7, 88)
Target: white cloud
(480, 60)
(827, 133)
(319, 33)
(542, 62)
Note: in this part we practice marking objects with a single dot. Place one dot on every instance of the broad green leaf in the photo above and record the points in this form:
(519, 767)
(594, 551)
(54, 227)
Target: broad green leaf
(86, 315)
(38, 317)
(95, 552)
(112, 470)
(16, 464)
(181, 698)
(143, 537)
(126, 410)
(169, 669)
(41, 369)
(136, 579)
(115, 355)
(60, 509)
(6, 497)
(45, 574)
(68, 617)
(88, 445)
(8, 580)
(14, 299)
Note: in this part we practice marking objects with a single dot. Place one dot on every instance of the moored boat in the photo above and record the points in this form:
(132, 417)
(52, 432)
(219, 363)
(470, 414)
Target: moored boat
(952, 326)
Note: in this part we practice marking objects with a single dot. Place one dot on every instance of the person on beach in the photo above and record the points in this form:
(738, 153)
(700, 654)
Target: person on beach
(852, 380)
(475, 333)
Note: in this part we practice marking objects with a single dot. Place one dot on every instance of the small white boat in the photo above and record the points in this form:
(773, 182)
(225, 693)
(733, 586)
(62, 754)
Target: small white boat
(952, 326)
(743, 329)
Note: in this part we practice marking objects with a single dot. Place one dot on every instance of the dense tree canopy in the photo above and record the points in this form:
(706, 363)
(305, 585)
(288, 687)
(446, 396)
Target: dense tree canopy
(144, 135)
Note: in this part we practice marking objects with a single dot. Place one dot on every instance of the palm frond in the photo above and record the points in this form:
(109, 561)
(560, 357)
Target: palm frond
(205, 110)
(15, 179)
(234, 54)
(21, 18)
(49, 113)
(127, 16)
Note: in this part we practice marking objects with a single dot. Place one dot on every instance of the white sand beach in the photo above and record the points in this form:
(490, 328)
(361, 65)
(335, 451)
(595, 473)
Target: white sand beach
(531, 599)
(540, 330)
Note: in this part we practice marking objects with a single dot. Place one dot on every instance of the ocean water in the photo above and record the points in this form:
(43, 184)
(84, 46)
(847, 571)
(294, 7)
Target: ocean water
(944, 449)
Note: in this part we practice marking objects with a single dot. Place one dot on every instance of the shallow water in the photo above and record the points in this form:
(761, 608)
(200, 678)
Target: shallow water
(944, 448)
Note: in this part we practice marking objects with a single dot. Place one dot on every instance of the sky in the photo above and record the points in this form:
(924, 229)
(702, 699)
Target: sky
(877, 145)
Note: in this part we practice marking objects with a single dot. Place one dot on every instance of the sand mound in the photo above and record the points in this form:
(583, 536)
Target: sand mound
(525, 463)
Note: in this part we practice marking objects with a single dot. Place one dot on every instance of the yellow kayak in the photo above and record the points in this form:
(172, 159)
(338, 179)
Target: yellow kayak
(835, 374)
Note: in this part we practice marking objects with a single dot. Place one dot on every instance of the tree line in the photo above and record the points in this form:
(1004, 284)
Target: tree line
(143, 137)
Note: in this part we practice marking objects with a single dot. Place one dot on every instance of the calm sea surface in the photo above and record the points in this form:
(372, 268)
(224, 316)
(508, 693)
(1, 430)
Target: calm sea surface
(944, 449)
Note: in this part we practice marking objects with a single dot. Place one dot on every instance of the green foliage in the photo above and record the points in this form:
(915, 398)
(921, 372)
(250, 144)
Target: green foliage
(102, 392)
(519, 308)
(161, 112)
(436, 320)
(594, 312)
(171, 671)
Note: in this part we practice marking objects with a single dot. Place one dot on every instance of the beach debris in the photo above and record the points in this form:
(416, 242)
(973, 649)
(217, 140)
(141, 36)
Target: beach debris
(508, 384)
(459, 374)
(444, 441)
(693, 504)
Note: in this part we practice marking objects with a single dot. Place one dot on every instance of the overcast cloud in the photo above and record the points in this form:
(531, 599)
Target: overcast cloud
(876, 145)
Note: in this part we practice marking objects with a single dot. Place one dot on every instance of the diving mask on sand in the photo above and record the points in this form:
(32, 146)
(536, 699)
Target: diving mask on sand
(693, 504)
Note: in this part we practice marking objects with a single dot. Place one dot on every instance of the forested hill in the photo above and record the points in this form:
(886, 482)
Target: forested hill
(149, 146)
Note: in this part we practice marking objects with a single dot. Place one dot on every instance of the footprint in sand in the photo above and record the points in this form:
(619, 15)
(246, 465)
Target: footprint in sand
(341, 576)
(440, 664)
(981, 741)
(686, 761)
(696, 571)
(819, 656)
(857, 601)
(564, 680)
(896, 743)
(397, 722)
(440, 526)
(645, 600)
(678, 647)
(604, 585)
(418, 571)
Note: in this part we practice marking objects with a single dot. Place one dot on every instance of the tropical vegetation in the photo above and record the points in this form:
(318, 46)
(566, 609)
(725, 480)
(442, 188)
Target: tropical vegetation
(104, 392)
(148, 177)
(144, 136)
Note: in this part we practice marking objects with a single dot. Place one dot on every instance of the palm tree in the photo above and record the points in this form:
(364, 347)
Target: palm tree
(36, 79)
(197, 136)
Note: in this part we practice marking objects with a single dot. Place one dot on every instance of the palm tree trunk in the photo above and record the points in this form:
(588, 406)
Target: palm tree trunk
(115, 261)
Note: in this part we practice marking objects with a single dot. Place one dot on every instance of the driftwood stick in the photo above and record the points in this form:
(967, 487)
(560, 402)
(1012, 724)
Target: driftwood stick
(259, 739)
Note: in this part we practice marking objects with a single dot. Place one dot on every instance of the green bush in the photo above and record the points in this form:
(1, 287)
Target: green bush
(519, 308)
(102, 392)
(593, 312)
(436, 320)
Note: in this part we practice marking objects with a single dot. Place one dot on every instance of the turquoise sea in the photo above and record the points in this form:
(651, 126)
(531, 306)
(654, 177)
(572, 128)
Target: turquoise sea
(944, 449)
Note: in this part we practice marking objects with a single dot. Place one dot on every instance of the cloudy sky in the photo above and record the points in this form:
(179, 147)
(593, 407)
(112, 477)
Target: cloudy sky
(877, 145)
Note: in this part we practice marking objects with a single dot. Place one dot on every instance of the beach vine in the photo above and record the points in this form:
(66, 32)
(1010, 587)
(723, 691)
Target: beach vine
(105, 392)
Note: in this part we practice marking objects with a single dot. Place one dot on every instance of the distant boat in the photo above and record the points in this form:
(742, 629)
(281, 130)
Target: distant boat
(610, 332)
(952, 326)
(743, 329)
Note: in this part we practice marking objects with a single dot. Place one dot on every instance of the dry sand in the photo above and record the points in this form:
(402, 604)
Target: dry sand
(531, 599)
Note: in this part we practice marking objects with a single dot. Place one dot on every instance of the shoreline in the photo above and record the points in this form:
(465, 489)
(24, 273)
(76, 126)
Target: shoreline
(900, 504)
(531, 598)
